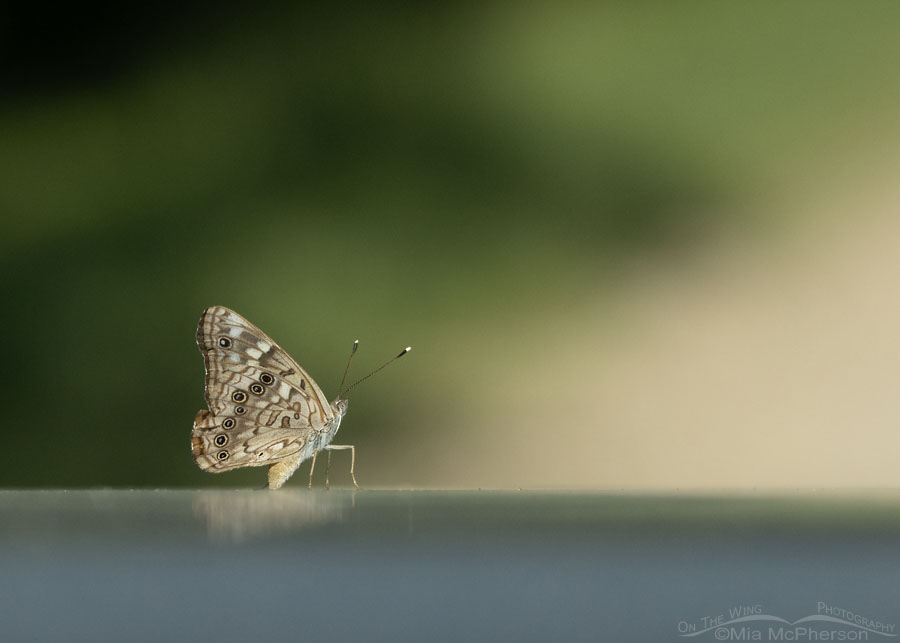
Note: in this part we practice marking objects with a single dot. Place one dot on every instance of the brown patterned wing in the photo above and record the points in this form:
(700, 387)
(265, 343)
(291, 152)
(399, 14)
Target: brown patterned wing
(263, 407)
(217, 448)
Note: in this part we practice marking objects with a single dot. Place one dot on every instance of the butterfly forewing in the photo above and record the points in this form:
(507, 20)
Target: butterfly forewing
(263, 406)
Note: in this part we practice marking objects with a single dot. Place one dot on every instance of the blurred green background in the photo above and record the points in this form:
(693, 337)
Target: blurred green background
(632, 244)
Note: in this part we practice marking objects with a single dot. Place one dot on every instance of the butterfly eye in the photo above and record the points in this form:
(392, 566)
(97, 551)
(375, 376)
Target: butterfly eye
(240, 396)
(221, 441)
(240, 410)
(267, 379)
(225, 342)
(229, 423)
(258, 389)
(222, 455)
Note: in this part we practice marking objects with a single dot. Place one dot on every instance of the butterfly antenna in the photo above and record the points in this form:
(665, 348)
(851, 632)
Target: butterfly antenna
(347, 368)
(390, 361)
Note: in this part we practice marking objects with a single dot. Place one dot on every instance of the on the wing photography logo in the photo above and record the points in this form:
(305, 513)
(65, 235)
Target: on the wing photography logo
(756, 623)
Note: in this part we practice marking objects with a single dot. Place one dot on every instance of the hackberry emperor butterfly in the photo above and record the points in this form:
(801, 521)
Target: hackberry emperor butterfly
(264, 409)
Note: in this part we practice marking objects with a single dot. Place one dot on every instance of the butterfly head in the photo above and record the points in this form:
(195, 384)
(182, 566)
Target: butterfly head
(340, 407)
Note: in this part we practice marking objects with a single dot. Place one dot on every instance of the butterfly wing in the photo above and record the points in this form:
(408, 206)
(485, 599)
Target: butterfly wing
(263, 407)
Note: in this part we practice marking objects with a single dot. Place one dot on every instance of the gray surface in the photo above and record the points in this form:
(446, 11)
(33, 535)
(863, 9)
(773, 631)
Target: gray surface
(234, 565)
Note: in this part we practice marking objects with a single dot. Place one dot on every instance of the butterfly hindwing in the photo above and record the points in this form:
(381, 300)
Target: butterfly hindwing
(218, 447)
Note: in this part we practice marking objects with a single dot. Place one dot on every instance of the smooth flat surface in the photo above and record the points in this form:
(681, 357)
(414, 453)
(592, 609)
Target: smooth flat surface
(236, 565)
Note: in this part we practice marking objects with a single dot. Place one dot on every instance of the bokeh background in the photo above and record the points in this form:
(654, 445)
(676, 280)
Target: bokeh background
(633, 245)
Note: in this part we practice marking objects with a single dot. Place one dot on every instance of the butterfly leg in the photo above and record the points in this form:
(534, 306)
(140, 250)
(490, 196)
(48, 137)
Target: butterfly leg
(344, 447)
(327, 467)
(312, 467)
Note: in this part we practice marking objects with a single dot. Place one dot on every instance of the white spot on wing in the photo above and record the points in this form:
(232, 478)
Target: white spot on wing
(284, 390)
(255, 354)
(234, 357)
(263, 346)
(234, 331)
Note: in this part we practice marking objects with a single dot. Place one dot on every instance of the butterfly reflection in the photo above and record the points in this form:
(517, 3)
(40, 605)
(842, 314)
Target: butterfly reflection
(236, 516)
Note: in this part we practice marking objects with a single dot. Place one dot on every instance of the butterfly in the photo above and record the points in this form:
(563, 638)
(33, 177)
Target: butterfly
(264, 409)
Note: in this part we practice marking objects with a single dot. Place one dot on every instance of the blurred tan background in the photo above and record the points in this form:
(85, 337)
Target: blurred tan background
(632, 246)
